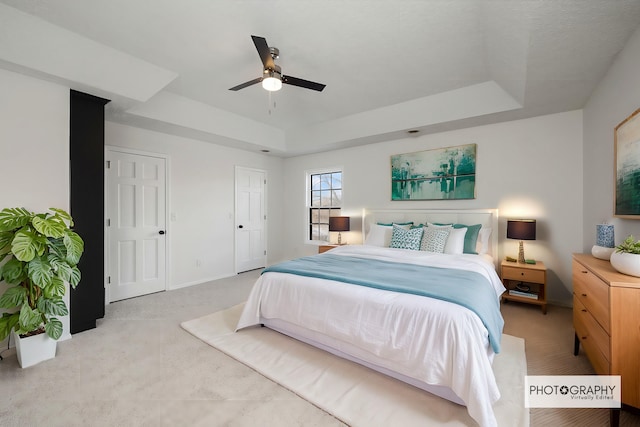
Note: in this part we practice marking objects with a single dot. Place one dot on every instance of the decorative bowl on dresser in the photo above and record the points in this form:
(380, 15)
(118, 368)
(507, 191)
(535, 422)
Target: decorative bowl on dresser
(606, 310)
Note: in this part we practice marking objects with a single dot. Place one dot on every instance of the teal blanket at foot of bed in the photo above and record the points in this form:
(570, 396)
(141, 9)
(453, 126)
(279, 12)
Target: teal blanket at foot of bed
(466, 288)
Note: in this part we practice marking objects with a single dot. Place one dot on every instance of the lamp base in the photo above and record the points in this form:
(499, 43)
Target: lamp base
(521, 253)
(339, 238)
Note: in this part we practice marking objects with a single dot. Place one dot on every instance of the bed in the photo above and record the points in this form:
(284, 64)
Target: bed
(372, 304)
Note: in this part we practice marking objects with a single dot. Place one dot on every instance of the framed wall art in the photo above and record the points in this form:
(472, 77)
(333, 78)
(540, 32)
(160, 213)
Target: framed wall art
(440, 174)
(627, 167)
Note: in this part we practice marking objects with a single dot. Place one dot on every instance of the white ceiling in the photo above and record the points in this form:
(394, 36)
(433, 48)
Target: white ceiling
(389, 66)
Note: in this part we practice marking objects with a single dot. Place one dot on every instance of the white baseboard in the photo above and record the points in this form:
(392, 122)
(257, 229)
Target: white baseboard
(198, 282)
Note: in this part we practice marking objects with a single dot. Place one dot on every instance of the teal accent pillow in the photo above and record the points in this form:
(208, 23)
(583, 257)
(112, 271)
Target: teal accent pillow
(406, 239)
(471, 238)
(389, 224)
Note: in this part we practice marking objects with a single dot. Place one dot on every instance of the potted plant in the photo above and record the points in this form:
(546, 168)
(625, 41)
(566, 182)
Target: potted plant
(41, 253)
(626, 258)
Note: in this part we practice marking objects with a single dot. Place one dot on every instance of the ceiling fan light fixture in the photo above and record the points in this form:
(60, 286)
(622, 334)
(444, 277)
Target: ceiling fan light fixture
(272, 80)
(272, 84)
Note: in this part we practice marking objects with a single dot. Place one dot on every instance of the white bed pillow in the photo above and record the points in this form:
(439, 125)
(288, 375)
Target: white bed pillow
(455, 240)
(380, 235)
(435, 239)
(482, 247)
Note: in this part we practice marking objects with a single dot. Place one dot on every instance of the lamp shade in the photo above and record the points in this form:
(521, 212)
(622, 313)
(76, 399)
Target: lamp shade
(521, 229)
(339, 223)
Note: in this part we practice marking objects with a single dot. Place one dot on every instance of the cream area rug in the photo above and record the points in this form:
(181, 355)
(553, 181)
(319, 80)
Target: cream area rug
(356, 395)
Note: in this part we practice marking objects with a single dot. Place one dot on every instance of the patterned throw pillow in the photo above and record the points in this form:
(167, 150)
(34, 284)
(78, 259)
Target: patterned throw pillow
(470, 238)
(406, 239)
(455, 241)
(435, 239)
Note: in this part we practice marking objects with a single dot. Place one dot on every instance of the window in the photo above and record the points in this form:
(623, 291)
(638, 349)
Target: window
(324, 200)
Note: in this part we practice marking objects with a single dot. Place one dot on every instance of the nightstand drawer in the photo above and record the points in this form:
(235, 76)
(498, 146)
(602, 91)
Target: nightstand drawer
(590, 331)
(525, 275)
(593, 293)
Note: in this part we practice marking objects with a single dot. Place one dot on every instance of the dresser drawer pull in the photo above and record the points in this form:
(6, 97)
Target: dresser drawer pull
(584, 271)
(583, 310)
(584, 295)
(584, 338)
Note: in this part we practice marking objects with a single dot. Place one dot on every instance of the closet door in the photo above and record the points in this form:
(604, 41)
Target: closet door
(86, 151)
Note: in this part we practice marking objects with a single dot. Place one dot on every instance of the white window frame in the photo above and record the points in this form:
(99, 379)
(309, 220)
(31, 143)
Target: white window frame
(308, 206)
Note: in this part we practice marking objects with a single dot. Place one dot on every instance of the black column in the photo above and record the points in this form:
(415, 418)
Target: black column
(87, 206)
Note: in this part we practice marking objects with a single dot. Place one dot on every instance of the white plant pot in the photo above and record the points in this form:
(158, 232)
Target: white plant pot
(34, 349)
(626, 263)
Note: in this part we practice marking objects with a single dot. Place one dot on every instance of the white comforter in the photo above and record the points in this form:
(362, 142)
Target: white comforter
(432, 341)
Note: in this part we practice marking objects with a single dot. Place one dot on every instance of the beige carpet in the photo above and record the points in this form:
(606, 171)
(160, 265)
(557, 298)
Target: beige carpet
(354, 394)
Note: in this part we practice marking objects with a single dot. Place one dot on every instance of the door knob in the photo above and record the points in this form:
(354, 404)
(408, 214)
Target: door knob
(240, 226)
(161, 232)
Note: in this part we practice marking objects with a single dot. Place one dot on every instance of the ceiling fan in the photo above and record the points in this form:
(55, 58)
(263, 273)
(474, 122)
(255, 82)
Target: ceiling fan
(272, 78)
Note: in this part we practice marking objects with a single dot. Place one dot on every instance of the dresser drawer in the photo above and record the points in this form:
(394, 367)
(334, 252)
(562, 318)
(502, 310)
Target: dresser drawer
(613, 301)
(514, 273)
(593, 293)
(594, 339)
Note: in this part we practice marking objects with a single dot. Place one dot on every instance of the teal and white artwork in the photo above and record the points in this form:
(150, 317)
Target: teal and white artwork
(627, 150)
(440, 174)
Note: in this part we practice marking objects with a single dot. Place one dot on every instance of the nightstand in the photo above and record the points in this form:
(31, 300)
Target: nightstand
(525, 283)
(325, 248)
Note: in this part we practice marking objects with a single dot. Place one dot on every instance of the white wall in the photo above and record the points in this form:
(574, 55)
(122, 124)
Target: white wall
(201, 196)
(525, 168)
(34, 130)
(34, 148)
(535, 167)
(615, 98)
(34, 135)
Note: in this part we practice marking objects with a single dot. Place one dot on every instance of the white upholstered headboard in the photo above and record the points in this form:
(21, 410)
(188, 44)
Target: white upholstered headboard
(486, 217)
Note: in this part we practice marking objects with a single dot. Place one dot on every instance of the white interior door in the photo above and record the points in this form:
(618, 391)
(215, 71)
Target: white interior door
(136, 224)
(251, 218)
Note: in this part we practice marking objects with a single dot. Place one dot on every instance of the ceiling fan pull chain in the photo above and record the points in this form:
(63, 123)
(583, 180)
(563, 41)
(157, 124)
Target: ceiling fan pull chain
(269, 104)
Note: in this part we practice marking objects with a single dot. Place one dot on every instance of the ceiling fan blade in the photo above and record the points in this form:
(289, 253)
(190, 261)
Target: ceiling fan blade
(247, 84)
(294, 81)
(264, 52)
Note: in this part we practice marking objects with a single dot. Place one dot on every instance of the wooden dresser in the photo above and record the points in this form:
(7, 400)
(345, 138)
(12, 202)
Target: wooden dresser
(606, 318)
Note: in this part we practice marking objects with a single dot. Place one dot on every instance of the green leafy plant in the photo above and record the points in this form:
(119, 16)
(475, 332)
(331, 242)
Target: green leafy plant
(41, 253)
(629, 246)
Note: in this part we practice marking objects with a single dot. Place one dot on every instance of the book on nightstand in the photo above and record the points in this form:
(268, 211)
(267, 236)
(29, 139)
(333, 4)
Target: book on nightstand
(517, 293)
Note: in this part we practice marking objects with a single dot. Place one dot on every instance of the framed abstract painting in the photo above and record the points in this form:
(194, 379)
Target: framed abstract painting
(627, 167)
(440, 174)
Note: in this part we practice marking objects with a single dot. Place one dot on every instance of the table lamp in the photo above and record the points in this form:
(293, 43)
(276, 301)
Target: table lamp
(521, 229)
(339, 224)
